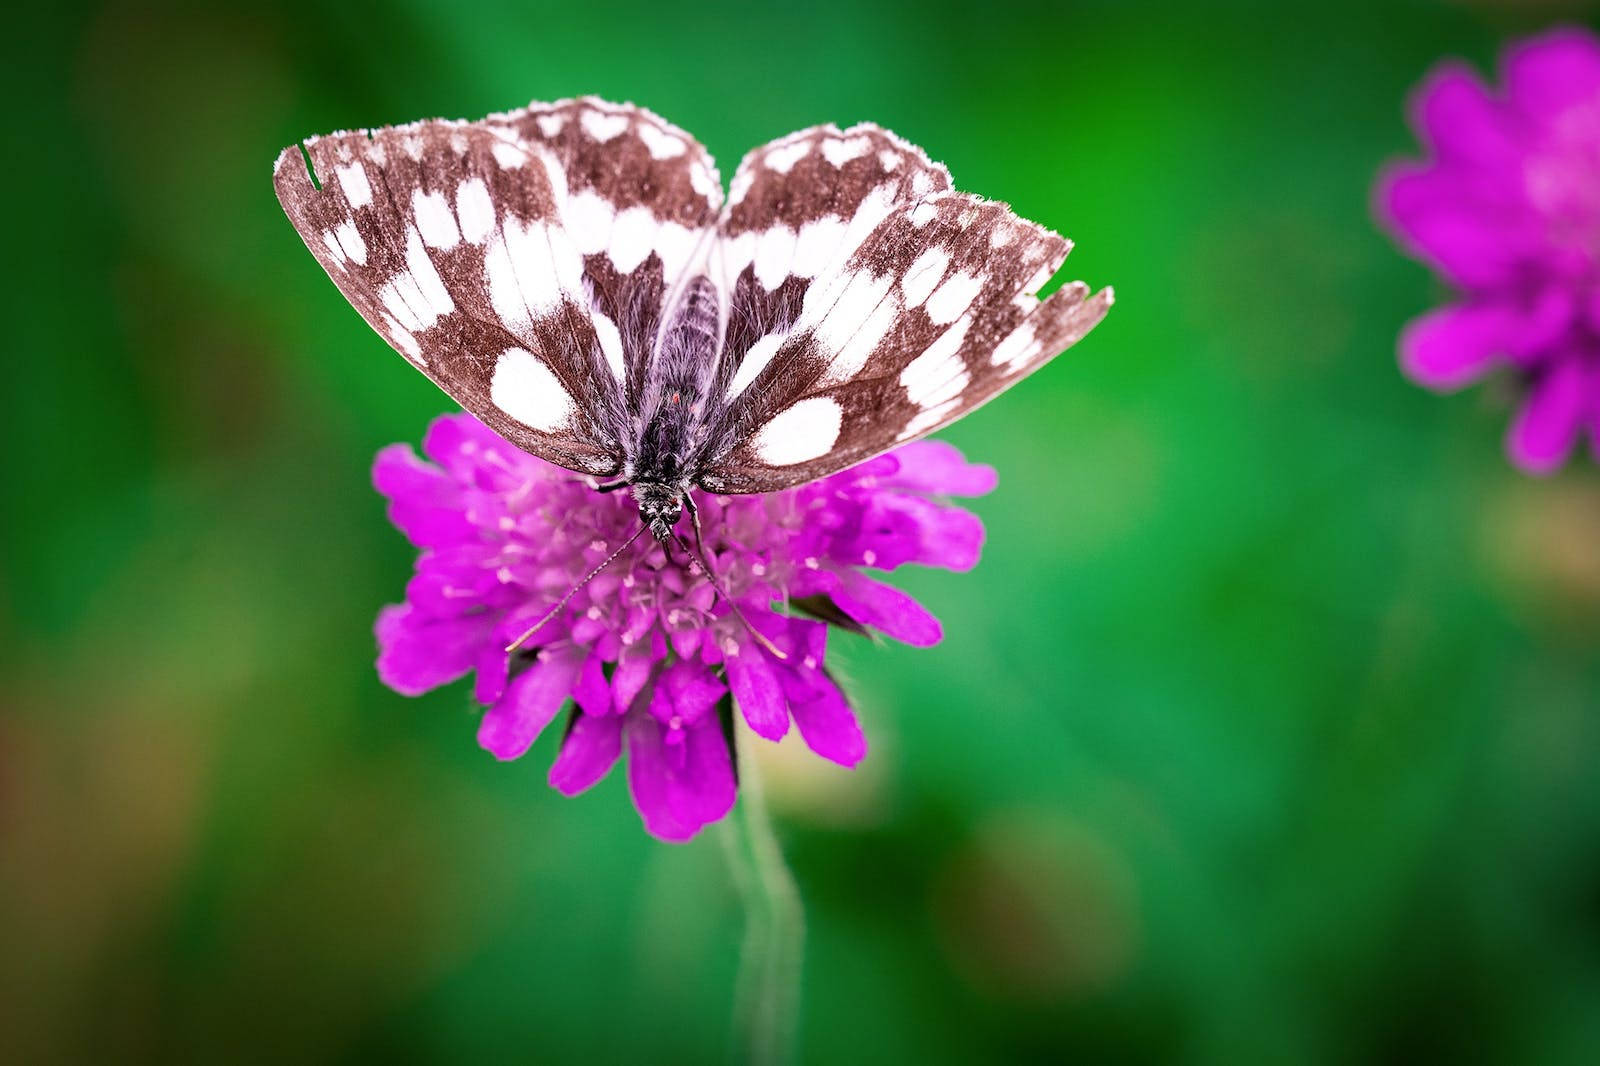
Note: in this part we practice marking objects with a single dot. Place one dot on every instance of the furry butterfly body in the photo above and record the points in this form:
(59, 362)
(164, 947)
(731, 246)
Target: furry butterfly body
(572, 275)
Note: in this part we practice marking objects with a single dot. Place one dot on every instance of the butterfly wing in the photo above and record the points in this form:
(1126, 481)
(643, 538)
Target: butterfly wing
(521, 261)
(876, 305)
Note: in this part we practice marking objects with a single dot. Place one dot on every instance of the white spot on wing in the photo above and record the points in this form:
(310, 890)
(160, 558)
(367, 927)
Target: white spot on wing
(527, 390)
(353, 180)
(631, 236)
(930, 418)
(755, 361)
(403, 339)
(610, 339)
(674, 244)
(589, 219)
(662, 145)
(840, 152)
(566, 260)
(1017, 348)
(508, 155)
(736, 255)
(873, 209)
(774, 253)
(505, 296)
(550, 125)
(855, 324)
(350, 240)
(923, 214)
(332, 242)
(889, 159)
(806, 431)
(923, 276)
(435, 220)
(475, 210)
(816, 244)
(938, 374)
(398, 306)
(603, 127)
(702, 181)
(526, 277)
(783, 158)
(741, 185)
(951, 300)
(422, 270)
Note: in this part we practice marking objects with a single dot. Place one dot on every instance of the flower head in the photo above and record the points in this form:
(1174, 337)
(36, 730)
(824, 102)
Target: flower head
(647, 650)
(1508, 211)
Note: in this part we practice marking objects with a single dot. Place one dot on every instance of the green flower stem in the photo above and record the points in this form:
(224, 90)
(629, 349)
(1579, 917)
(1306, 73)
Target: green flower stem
(767, 997)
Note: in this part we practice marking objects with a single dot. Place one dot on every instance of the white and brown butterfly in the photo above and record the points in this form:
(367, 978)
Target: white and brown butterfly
(570, 274)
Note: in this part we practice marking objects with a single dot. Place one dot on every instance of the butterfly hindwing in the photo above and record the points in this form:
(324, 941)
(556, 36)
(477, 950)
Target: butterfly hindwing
(520, 261)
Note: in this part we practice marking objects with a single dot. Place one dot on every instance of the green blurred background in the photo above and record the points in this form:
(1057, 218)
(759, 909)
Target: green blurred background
(1265, 732)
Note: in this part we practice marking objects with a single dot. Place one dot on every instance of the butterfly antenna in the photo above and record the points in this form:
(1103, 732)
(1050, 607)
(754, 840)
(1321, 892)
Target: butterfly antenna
(716, 582)
(573, 591)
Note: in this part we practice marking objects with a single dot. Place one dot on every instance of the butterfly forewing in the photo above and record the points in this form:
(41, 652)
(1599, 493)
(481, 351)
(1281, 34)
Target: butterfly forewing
(641, 203)
(521, 262)
(921, 307)
(799, 207)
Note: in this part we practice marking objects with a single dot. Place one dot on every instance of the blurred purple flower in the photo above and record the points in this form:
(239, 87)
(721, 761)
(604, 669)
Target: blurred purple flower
(1508, 210)
(646, 650)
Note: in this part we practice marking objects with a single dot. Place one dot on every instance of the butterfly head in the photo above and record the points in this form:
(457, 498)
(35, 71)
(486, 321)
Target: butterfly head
(660, 507)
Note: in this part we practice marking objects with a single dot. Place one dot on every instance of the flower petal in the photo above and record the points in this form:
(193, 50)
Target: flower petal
(1552, 73)
(460, 442)
(914, 529)
(676, 795)
(590, 749)
(1546, 428)
(829, 727)
(592, 691)
(494, 665)
(417, 653)
(936, 466)
(694, 688)
(1469, 228)
(1454, 111)
(511, 726)
(424, 503)
(1453, 346)
(757, 692)
(888, 609)
(633, 670)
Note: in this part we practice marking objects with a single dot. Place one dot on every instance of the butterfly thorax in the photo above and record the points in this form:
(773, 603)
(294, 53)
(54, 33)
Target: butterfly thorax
(672, 411)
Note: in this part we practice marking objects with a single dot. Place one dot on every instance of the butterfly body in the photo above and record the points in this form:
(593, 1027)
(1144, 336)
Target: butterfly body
(571, 275)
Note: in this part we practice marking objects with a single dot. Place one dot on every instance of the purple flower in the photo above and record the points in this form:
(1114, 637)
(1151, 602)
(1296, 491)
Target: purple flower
(647, 650)
(1508, 210)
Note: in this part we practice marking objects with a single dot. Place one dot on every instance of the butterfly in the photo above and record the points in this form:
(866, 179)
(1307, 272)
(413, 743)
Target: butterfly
(571, 274)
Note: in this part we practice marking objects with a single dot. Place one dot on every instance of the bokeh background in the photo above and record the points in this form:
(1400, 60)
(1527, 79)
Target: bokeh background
(1265, 732)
